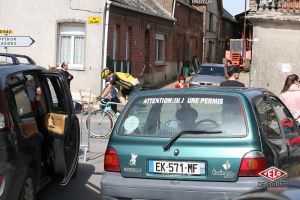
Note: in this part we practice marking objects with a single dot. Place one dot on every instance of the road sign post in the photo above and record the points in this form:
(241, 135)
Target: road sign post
(16, 41)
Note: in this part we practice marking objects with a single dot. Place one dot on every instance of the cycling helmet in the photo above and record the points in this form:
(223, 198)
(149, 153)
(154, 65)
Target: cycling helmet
(105, 72)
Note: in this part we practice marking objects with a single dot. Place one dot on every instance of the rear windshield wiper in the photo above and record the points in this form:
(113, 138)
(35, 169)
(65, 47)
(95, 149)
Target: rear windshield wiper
(183, 132)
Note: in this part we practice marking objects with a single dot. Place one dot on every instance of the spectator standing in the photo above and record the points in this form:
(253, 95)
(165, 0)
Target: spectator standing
(64, 69)
(181, 82)
(290, 95)
(233, 76)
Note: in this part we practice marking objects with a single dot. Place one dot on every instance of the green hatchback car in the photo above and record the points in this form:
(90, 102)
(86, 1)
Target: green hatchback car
(204, 143)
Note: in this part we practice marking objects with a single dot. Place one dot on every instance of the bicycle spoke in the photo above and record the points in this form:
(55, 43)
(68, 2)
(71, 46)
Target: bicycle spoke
(100, 124)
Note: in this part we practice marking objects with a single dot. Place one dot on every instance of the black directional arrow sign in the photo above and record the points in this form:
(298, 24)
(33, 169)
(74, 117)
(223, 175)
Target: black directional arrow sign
(16, 41)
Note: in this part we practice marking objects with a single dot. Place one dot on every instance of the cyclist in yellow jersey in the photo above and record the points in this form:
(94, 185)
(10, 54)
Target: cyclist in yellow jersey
(128, 83)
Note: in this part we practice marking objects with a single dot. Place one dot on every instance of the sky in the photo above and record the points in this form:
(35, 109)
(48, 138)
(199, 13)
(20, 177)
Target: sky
(235, 6)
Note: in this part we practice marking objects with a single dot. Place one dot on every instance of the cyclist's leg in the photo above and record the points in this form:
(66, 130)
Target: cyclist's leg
(135, 89)
(122, 95)
(114, 106)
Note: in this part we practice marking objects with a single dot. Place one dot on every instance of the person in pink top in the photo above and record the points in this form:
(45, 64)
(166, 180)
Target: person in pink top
(290, 95)
(181, 82)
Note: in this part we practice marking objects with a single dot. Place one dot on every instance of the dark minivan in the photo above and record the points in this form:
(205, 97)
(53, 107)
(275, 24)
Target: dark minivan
(39, 129)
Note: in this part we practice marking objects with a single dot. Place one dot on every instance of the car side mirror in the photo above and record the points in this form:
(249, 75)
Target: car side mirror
(77, 107)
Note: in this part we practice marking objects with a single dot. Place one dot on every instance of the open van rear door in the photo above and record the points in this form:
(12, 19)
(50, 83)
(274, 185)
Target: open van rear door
(62, 125)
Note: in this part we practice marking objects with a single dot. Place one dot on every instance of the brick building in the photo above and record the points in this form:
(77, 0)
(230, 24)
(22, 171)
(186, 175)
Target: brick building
(187, 33)
(151, 39)
(219, 26)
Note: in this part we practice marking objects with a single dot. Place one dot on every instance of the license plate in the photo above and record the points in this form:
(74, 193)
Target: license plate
(179, 168)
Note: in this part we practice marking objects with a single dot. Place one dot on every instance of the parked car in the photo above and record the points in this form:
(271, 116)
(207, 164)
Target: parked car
(201, 143)
(209, 74)
(39, 129)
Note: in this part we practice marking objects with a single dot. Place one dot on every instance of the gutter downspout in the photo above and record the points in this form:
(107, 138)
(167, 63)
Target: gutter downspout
(104, 59)
(173, 11)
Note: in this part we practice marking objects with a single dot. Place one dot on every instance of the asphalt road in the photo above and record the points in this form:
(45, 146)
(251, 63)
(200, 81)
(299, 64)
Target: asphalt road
(86, 185)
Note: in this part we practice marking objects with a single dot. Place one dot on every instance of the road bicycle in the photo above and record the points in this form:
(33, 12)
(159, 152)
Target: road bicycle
(100, 122)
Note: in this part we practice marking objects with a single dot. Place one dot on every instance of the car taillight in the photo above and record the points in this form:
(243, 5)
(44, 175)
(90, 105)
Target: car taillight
(252, 163)
(1, 181)
(111, 161)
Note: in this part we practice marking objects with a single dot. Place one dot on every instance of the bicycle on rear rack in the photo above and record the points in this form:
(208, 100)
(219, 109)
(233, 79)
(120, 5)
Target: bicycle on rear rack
(100, 122)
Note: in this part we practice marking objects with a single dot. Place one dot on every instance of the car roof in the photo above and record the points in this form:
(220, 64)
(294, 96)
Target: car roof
(213, 65)
(249, 93)
(8, 69)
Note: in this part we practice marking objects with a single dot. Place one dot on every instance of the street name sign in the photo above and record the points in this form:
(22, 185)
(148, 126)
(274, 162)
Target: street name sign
(16, 41)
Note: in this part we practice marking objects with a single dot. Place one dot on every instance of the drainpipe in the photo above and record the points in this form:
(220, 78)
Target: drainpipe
(173, 11)
(104, 58)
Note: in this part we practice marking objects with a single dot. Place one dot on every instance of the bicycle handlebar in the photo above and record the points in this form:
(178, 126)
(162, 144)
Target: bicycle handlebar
(107, 103)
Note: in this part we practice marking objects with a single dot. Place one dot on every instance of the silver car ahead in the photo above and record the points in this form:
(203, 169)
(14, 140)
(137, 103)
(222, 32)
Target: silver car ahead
(209, 74)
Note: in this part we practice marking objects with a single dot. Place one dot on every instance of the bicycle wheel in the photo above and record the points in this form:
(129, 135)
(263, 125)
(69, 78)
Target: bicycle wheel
(100, 124)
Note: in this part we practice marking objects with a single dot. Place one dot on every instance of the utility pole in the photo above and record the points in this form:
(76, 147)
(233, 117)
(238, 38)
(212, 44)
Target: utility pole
(244, 34)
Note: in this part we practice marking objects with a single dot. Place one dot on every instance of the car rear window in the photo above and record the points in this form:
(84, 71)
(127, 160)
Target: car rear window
(166, 116)
(211, 70)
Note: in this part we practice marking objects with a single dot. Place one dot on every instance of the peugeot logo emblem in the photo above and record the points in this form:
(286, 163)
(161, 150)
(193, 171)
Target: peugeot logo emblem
(176, 152)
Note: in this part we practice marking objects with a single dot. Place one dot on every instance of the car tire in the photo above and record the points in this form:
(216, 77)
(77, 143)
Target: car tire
(28, 188)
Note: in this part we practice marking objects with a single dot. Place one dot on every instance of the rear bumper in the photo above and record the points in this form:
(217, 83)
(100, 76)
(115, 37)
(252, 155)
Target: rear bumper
(114, 186)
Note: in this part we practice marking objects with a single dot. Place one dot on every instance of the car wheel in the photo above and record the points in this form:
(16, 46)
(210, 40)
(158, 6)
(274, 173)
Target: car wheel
(28, 190)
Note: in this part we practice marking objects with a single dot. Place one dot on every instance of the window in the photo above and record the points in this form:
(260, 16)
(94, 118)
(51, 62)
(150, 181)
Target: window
(19, 101)
(57, 100)
(211, 21)
(211, 70)
(267, 118)
(128, 43)
(116, 41)
(71, 44)
(160, 49)
(285, 117)
(167, 115)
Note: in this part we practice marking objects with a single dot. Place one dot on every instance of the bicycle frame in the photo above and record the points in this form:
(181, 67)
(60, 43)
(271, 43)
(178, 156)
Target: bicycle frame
(107, 108)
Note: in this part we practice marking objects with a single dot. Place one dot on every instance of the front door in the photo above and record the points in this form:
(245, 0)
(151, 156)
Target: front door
(62, 125)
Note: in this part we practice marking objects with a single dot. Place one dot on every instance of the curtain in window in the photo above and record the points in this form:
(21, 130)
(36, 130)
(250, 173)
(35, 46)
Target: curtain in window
(78, 50)
(65, 51)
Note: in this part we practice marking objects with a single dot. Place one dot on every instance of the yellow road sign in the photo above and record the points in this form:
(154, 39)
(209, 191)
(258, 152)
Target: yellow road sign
(94, 20)
(6, 32)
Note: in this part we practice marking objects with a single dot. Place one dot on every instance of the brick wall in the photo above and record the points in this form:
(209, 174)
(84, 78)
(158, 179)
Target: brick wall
(187, 31)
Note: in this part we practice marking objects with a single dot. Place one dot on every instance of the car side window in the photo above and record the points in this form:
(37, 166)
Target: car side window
(18, 98)
(56, 98)
(285, 117)
(267, 118)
